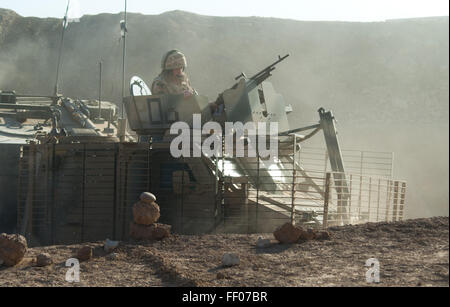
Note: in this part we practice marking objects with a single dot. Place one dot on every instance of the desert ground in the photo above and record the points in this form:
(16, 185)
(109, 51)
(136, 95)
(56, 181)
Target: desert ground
(412, 253)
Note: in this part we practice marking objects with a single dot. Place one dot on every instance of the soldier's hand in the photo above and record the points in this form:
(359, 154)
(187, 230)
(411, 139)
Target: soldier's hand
(188, 94)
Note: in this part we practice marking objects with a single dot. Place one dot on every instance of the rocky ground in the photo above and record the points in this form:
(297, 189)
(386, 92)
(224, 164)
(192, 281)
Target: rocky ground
(410, 253)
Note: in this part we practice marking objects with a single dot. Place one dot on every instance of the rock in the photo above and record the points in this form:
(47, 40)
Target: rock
(262, 243)
(230, 260)
(146, 213)
(110, 245)
(323, 235)
(307, 235)
(288, 233)
(43, 260)
(147, 197)
(12, 249)
(155, 232)
(85, 253)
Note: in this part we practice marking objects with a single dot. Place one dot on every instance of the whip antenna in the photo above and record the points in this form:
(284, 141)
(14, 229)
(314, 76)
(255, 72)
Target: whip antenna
(61, 43)
(123, 31)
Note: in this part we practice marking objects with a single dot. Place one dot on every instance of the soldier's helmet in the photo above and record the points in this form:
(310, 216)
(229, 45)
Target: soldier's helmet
(173, 59)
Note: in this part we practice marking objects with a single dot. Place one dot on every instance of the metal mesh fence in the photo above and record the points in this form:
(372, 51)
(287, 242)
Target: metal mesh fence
(299, 187)
(71, 193)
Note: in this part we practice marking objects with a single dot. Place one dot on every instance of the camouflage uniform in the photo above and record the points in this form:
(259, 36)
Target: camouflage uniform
(166, 82)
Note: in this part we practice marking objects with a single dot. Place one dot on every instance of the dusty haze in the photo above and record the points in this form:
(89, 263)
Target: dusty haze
(387, 82)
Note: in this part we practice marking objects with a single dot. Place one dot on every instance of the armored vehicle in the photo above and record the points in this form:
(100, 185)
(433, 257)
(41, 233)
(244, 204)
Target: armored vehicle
(29, 119)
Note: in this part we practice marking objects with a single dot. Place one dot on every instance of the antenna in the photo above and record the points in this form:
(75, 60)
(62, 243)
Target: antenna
(123, 29)
(100, 91)
(55, 91)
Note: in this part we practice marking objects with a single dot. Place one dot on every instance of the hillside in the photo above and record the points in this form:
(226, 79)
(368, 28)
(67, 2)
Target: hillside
(397, 69)
(387, 82)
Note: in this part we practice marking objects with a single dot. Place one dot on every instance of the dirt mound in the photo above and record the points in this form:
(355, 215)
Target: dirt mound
(410, 253)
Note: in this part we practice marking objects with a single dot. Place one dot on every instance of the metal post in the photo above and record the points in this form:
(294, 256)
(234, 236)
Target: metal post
(118, 193)
(326, 166)
(360, 196)
(27, 224)
(395, 207)
(116, 166)
(378, 200)
(326, 200)
(350, 200)
(19, 186)
(46, 189)
(326, 162)
(257, 185)
(294, 174)
(124, 200)
(388, 198)
(220, 205)
(53, 191)
(402, 201)
(100, 93)
(221, 200)
(361, 165)
(392, 165)
(339, 204)
(83, 195)
(370, 198)
(327, 122)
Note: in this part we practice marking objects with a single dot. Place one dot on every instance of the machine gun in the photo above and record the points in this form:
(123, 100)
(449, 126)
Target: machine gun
(253, 99)
(263, 75)
(255, 80)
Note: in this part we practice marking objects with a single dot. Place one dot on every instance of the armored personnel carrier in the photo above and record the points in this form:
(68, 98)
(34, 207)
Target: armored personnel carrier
(74, 173)
(29, 119)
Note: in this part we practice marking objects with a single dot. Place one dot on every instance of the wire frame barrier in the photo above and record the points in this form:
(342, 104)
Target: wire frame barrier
(73, 193)
(259, 196)
(364, 199)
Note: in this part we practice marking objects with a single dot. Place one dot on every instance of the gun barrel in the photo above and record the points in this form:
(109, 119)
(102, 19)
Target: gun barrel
(268, 69)
(262, 75)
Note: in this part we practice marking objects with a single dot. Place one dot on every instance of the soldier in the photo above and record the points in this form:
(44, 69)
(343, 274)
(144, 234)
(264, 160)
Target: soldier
(173, 79)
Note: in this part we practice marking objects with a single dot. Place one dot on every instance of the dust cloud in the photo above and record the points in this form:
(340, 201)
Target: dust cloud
(386, 82)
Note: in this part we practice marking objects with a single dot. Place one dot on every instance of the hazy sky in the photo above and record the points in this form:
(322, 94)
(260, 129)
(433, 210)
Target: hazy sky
(346, 10)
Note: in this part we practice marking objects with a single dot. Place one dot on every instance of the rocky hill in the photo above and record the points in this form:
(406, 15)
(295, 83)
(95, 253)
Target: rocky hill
(394, 70)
